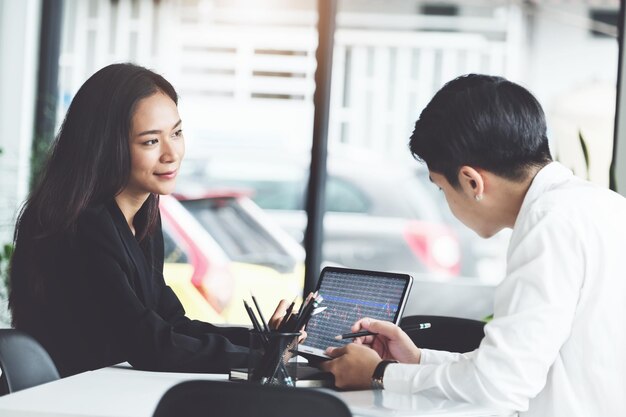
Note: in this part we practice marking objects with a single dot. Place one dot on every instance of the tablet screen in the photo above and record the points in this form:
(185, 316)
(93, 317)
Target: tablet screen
(350, 295)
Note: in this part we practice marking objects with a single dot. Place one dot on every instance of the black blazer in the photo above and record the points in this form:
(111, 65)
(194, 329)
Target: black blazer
(108, 303)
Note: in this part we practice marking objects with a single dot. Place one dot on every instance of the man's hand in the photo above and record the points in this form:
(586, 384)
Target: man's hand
(391, 342)
(352, 367)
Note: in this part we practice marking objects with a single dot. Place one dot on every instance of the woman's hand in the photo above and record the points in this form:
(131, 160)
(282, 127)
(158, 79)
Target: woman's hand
(279, 314)
(390, 342)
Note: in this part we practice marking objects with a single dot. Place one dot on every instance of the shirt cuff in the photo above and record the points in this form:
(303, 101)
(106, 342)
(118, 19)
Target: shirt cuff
(398, 376)
(435, 357)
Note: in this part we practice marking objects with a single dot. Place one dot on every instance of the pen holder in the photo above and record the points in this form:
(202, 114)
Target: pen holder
(269, 358)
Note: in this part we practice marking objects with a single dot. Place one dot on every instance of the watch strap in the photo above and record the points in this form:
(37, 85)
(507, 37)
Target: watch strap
(379, 373)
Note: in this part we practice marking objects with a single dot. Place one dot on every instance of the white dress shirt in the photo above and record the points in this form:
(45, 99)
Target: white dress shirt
(557, 343)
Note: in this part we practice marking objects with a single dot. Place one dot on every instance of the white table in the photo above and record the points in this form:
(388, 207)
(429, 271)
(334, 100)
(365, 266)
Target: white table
(383, 403)
(124, 392)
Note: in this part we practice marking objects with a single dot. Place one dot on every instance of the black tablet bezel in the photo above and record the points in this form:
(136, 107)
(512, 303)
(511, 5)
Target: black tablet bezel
(308, 351)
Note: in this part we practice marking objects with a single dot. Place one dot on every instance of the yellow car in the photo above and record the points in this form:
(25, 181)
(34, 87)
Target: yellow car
(178, 277)
(267, 286)
(211, 285)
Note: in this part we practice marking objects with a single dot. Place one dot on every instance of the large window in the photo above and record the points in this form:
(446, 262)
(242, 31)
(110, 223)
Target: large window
(245, 74)
(391, 57)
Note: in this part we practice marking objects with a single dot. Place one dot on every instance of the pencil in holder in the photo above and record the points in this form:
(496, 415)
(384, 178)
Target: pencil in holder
(269, 360)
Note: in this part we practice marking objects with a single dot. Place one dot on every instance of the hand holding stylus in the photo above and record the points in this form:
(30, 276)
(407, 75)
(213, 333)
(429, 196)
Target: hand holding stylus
(389, 341)
(362, 333)
(354, 363)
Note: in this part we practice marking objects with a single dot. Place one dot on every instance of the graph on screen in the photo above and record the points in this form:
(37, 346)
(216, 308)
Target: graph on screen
(350, 296)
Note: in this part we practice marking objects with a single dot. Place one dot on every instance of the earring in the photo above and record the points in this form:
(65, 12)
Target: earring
(478, 197)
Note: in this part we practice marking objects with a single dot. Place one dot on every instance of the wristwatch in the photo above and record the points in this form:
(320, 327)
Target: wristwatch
(379, 372)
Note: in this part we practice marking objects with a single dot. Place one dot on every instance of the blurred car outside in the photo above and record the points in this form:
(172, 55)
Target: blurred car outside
(211, 285)
(378, 215)
(178, 276)
(484, 259)
(243, 230)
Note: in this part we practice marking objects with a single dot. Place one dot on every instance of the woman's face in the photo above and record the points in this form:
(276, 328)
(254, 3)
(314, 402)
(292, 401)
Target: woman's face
(157, 146)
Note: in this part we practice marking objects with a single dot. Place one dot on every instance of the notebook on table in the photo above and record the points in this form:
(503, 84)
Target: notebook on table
(306, 376)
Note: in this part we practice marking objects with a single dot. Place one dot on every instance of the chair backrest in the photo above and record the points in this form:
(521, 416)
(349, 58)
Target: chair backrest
(453, 334)
(449, 298)
(24, 363)
(236, 399)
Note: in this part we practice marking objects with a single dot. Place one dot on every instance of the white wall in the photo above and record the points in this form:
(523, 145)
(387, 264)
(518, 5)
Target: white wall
(573, 74)
(19, 40)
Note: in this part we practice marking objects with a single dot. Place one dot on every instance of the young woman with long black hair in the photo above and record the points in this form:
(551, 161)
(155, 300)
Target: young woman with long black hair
(86, 276)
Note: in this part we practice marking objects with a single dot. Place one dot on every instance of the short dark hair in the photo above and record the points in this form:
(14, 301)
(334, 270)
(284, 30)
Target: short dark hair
(482, 121)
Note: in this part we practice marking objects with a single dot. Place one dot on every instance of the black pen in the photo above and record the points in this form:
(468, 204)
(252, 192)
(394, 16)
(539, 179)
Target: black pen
(368, 333)
(290, 308)
(264, 340)
(304, 317)
(306, 301)
(258, 309)
(253, 319)
(285, 319)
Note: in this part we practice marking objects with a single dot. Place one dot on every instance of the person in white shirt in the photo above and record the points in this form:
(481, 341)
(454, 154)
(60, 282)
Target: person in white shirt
(556, 344)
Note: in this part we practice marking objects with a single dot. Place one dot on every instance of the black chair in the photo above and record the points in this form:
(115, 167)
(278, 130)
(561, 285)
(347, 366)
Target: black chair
(236, 399)
(453, 334)
(24, 363)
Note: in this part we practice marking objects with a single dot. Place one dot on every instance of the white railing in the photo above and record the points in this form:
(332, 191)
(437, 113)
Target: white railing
(382, 79)
(221, 59)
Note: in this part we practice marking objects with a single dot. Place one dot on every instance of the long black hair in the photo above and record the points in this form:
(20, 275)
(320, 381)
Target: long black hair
(89, 164)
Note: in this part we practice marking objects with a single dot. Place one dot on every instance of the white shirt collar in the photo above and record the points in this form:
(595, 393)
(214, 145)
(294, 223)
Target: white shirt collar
(547, 178)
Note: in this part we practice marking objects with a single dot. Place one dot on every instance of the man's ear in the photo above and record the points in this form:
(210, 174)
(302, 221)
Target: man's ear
(471, 182)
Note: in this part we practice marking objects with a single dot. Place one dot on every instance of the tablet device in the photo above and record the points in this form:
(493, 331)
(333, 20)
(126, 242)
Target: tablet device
(349, 295)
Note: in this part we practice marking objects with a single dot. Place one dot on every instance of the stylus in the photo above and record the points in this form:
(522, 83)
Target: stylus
(368, 333)
(353, 335)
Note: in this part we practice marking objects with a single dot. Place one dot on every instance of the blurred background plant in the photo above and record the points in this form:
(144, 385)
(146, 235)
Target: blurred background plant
(5, 257)
(585, 171)
(585, 150)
